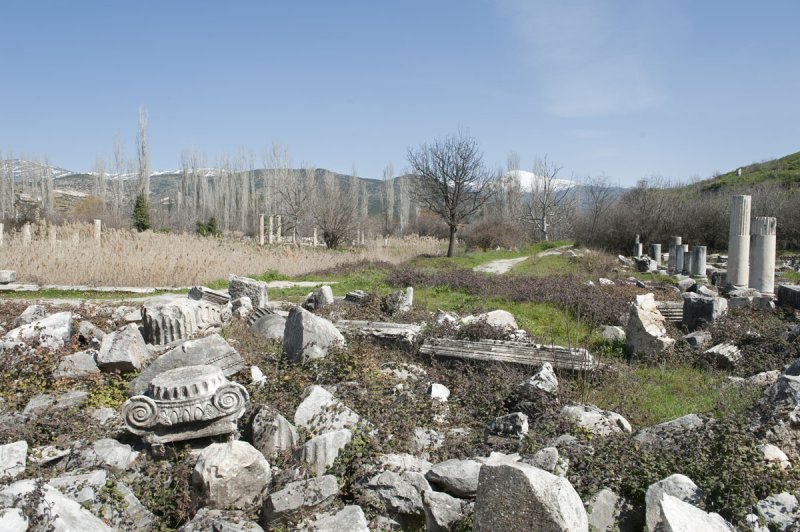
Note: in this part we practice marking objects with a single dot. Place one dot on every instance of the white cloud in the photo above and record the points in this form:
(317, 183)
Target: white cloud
(589, 58)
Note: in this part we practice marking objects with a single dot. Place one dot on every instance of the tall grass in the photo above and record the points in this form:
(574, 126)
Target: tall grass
(128, 258)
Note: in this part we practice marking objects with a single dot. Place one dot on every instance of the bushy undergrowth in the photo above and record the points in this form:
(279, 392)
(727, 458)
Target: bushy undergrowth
(723, 459)
(593, 304)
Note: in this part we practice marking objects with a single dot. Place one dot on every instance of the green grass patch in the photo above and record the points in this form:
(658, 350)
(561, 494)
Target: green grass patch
(792, 277)
(468, 260)
(785, 170)
(549, 265)
(50, 293)
(648, 395)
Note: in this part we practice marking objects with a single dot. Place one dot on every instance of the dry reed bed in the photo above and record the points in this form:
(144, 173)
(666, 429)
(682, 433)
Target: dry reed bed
(127, 258)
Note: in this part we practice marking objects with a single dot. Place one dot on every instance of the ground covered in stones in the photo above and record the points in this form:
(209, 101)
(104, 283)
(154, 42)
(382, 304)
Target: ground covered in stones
(374, 435)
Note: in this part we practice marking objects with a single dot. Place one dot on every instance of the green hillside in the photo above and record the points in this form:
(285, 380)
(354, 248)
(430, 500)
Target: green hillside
(785, 171)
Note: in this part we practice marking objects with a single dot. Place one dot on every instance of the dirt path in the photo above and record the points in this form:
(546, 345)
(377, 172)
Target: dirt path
(499, 266)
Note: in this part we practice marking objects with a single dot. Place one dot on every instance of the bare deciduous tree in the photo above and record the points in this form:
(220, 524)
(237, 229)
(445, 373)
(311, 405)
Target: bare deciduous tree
(332, 210)
(551, 203)
(599, 197)
(451, 180)
(388, 199)
(143, 154)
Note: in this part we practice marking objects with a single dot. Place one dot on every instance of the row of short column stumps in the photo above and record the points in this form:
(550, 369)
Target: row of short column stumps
(751, 252)
(276, 237)
(51, 233)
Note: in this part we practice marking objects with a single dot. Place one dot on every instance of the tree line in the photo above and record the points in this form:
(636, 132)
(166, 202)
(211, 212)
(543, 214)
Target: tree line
(448, 192)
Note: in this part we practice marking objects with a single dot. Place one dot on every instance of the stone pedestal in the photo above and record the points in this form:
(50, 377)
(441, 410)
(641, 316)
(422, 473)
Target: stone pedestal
(762, 254)
(739, 242)
(261, 230)
(184, 404)
(698, 269)
(655, 253)
(637, 250)
(674, 242)
(98, 227)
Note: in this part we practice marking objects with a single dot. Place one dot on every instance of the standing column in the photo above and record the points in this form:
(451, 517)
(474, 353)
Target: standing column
(280, 229)
(698, 270)
(1, 234)
(739, 242)
(315, 237)
(674, 242)
(679, 253)
(26, 234)
(270, 229)
(261, 230)
(655, 253)
(762, 254)
(98, 227)
(637, 247)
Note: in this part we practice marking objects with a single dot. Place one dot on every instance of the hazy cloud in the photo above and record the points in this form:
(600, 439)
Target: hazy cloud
(589, 58)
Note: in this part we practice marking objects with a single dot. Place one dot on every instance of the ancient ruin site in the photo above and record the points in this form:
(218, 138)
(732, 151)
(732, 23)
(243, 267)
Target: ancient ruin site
(496, 265)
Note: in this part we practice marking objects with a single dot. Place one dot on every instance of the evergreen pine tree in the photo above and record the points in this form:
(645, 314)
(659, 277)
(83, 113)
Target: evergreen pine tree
(141, 214)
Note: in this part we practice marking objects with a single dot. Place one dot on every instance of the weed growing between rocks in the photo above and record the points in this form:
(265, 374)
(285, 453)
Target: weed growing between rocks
(164, 486)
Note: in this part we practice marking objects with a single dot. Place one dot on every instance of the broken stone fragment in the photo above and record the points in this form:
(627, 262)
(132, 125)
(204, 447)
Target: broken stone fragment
(123, 350)
(170, 318)
(646, 332)
(309, 337)
(456, 477)
(272, 433)
(679, 486)
(320, 452)
(52, 331)
(596, 421)
(244, 286)
(301, 497)
(230, 475)
(321, 412)
(266, 324)
(515, 496)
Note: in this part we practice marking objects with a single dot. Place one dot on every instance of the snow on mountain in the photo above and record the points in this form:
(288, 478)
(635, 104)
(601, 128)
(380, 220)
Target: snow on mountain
(22, 167)
(528, 179)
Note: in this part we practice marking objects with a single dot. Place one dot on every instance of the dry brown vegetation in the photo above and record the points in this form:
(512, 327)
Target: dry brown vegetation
(127, 258)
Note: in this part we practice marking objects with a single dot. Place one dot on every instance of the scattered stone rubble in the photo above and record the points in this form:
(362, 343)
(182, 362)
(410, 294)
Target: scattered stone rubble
(185, 392)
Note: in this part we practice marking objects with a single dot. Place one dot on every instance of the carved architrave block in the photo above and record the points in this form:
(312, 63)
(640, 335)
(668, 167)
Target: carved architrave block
(184, 404)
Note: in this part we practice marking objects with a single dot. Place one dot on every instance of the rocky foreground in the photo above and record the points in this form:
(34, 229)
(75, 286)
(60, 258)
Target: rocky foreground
(148, 418)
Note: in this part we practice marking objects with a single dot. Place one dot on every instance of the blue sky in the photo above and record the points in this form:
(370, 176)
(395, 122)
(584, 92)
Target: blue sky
(624, 89)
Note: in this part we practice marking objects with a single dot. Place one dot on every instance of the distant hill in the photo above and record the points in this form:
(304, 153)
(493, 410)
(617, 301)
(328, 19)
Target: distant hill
(784, 171)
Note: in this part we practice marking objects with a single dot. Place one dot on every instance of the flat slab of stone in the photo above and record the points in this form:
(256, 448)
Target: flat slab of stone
(524, 353)
(789, 295)
(403, 333)
(301, 497)
(211, 350)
